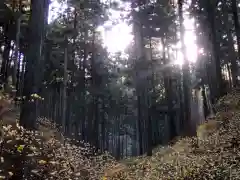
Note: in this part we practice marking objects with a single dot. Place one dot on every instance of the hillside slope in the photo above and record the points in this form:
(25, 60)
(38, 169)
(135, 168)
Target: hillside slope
(214, 154)
(41, 155)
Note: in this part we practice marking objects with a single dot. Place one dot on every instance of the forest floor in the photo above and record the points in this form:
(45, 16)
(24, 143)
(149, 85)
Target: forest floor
(213, 154)
(40, 155)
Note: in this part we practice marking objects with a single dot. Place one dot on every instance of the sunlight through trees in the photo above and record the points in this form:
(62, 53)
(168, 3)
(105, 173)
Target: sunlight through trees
(118, 76)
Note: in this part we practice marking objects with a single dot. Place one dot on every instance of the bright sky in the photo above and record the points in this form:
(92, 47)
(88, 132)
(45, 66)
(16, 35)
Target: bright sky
(54, 9)
(190, 43)
(118, 36)
(120, 32)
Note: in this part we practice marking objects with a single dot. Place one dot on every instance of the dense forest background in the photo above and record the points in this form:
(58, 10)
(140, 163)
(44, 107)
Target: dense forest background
(126, 102)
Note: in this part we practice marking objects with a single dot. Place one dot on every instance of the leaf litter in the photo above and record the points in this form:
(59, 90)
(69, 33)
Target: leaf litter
(32, 156)
(216, 157)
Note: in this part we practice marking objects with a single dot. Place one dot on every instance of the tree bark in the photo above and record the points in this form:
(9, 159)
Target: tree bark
(215, 49)
(236, 24)
(140, 81)
(32, 74)
(186, 75)
(6, 58)
(169, 94)
(65, 80)
(231, 52)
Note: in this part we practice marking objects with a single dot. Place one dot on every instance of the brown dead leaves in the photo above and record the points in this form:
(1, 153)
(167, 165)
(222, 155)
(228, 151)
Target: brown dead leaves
(43, 156)
(217, 157)
(112, 171)
(33, 155)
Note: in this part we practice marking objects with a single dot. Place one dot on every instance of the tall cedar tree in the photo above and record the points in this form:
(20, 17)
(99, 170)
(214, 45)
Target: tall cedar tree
(32, 79)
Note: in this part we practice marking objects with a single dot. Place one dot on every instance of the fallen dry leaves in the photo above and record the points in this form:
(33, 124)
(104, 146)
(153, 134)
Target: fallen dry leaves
(28, 154)
(217, 156)
(38, 156)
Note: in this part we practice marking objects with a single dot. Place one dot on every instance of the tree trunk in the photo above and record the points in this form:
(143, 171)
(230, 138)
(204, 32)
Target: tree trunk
(83, 90)
(7, 47)
(94, 106)
(151, 101)
(65, 80)
(149, 129)
(236, 24)
(186, 75)
(169, 94)
(103, 128)
(215, 48)
(233, 60)
(34, 54)
(15, 66)
(139, 50)
(6, 59)
(139, 125)
(232, 53)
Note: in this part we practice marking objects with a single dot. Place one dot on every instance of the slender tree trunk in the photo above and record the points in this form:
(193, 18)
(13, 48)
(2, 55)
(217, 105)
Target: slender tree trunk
(21, 83)
(230, 76)
(215, 48)
(151, 101)
(138, 38)
(149, 130)
(65, 80)
(233, 61)
(5, 62)
(205, 105)
(15, 66)
(103, 128)
(148, 116)
(18, 75)
(236, 24)
(83, 90)
(169, 94)
(46, 52)
(181, 103)
(233, 56)
(139, 128)
(7, 47)
(118, 145)
(186, 74)
(94, 105)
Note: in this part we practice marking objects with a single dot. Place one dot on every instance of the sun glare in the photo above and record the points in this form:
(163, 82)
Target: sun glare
(117, 34)
(117, 38)
(54, 9)
(190, 43)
